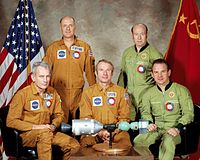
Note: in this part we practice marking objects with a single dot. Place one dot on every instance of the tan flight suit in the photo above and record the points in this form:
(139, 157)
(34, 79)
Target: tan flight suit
(28, 108)
(68, 66)
(109, 106)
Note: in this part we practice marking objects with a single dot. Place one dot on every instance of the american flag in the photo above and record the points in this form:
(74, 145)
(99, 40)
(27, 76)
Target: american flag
(23, 47)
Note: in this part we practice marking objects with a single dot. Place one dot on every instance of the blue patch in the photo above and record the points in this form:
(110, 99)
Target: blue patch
(61, 54)
(35, 105)
(97, 101)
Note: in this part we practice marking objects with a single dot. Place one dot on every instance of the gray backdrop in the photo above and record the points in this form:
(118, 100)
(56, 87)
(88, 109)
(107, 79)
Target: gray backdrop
(104, 24)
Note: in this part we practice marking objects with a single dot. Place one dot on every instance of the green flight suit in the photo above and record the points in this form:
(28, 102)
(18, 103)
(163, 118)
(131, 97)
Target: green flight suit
(172, 108)
(136, 72)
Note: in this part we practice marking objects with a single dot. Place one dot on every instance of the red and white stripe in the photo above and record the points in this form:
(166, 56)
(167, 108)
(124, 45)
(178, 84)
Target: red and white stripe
(10, 78)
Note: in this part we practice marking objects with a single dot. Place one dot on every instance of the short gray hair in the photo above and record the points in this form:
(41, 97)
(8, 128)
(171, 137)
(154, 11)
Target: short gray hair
(41, 64)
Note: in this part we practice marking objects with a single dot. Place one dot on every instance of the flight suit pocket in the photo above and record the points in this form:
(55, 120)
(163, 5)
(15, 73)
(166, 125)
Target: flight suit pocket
(129, 64)
(157, 108)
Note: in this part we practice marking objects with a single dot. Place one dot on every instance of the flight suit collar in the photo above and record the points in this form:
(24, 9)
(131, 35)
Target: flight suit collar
(166, 87)
(101, 88)
(143, 48)
(34, 90)
(61, 42)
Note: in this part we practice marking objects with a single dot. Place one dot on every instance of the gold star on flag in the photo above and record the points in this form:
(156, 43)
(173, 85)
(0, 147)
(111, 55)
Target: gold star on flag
(182, 18)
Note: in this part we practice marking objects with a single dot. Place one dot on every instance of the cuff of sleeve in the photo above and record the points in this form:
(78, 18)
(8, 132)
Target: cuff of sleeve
(54, 126)
(179, 126)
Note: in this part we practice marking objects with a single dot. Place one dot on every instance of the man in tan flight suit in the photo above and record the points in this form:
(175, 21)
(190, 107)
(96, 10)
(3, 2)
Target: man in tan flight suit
(69, 59)
(36, 112)
(107, 103)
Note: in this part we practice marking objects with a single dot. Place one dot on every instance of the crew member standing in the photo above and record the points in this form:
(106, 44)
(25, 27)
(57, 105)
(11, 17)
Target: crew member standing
(136, 66)
(69, 59)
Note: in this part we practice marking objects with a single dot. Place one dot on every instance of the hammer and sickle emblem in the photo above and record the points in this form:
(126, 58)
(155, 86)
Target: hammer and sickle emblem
(192, 35)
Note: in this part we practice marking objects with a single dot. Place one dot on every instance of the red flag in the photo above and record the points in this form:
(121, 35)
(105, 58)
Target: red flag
(23, 46)
(183, 53)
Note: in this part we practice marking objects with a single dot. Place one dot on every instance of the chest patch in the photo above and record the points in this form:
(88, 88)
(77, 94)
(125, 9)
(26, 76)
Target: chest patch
(35, 105)
(169, 106)
(171, 94)
(141, 69)
(47, 103)
(76, 55)
(111, 101)
(97, 101)
(144, 56)
(61, 54)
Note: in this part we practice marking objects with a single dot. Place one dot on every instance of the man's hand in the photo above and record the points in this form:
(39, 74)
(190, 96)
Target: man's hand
(104, 135)
(173, 132)
(44, 126)
(53, 127)
(152, 127)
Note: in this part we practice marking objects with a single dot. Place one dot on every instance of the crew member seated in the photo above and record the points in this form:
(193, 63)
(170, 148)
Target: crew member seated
(36, 112)
(167, 106)
(107, 103)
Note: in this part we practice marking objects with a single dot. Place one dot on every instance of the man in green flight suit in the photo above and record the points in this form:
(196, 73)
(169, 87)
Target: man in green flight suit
(136, 66)
(167, 106)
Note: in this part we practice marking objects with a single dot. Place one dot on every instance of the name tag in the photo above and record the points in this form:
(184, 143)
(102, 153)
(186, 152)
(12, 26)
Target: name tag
(48, 96)
(111, 94)
(76, 48)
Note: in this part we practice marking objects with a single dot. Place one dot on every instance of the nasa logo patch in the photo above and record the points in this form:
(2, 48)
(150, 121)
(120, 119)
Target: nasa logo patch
(61, 54)
(35, 105)
(97, 101)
